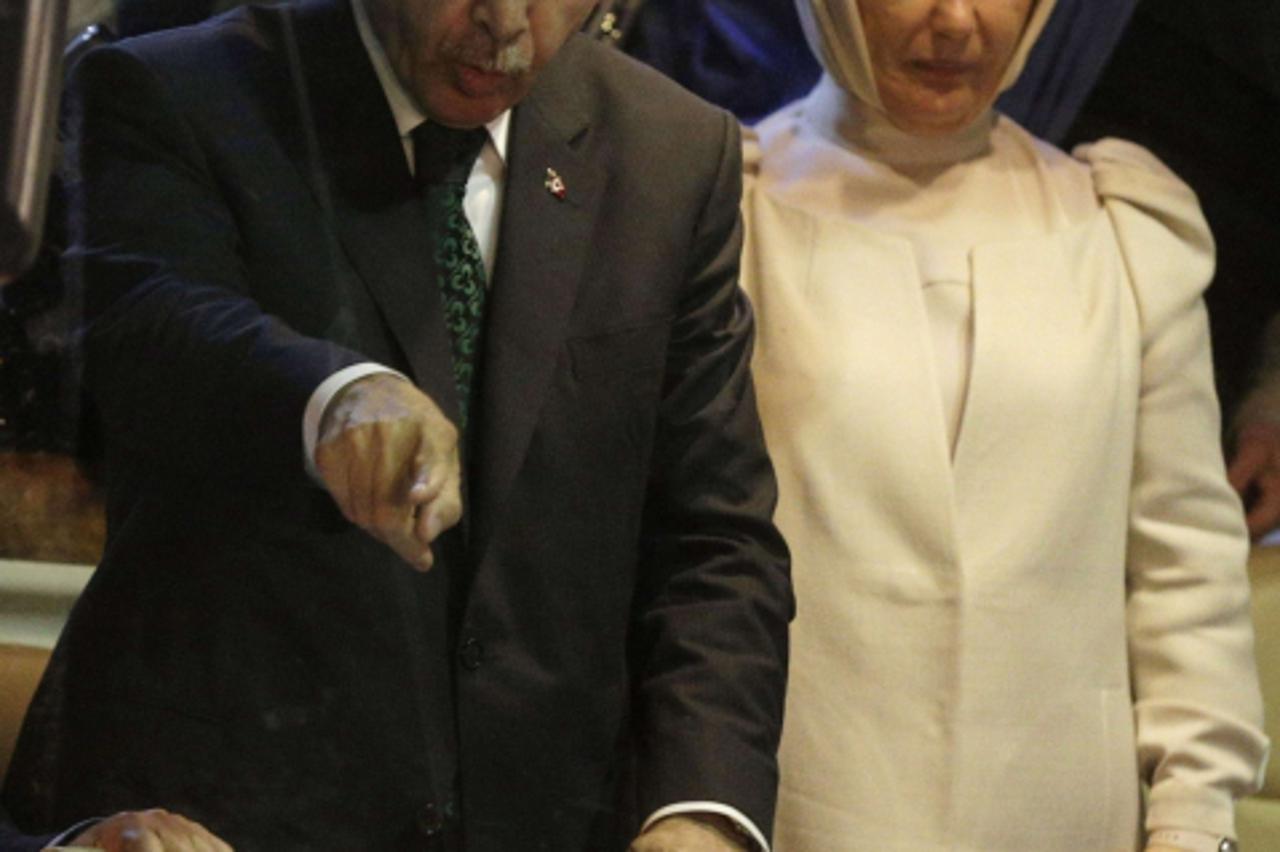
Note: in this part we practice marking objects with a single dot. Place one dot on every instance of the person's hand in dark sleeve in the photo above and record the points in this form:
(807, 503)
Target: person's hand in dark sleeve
(389, 457)
(710, 636)
(153, 830)
(707, 833)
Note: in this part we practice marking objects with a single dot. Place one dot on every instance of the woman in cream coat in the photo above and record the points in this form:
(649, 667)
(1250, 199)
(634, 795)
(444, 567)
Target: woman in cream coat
(985, 376)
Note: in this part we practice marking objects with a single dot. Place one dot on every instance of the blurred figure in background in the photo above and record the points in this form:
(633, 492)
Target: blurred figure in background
(748, 56)
(1213, 114)
(1255, 465)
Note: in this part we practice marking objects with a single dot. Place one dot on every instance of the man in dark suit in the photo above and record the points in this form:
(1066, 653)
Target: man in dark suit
(596, 656)
(748, 56)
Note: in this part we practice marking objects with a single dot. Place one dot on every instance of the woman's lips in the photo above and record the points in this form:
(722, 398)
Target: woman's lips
(943, 72)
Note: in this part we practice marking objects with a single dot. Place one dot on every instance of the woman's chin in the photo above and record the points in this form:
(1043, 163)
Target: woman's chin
(934, 122)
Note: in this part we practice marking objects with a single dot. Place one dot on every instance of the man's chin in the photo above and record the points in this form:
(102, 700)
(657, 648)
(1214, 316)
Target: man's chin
(462, 112)
(462, 106)
(481, 84)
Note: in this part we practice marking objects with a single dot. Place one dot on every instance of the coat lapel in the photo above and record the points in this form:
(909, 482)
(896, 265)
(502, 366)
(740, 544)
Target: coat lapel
(542, 246)
(357, 169)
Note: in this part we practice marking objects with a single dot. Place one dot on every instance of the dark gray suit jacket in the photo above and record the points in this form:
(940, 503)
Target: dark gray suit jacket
(607, 633)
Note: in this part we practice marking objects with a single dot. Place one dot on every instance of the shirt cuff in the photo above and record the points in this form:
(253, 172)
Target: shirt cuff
(319, 403)
(1181, 838)
(744, 825)
(74, 831)
(1176, 804)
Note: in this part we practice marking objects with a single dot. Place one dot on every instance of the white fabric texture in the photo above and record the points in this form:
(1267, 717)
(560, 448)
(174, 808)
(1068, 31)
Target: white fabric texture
(1019, 567)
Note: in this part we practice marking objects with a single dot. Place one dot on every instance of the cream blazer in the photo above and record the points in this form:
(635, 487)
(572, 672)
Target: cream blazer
(991, 651)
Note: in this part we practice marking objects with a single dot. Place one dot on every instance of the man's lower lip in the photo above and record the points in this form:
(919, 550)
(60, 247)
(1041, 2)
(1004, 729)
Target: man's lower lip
(478, 82)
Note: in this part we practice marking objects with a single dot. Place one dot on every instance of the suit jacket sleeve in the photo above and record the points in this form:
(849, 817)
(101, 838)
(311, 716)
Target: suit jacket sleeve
(183, 365)
(711, 635)
(1197, 704)
(12, 840)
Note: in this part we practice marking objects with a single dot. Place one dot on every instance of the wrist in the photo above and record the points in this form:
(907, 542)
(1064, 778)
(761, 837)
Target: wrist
(321, 401)
(1191, 841)
(736, 825)
(730, 829)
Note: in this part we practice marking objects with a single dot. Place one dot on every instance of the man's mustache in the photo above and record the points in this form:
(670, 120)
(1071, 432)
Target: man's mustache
(513, 59)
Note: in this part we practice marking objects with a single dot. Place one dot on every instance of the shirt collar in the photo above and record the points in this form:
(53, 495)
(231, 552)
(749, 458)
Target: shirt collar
(404, 108)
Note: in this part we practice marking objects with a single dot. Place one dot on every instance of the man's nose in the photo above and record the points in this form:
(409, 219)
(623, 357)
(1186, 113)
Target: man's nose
(954, 19)
(504, 19)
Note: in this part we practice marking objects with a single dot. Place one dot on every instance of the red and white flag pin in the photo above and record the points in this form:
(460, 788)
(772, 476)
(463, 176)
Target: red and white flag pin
(555, 184)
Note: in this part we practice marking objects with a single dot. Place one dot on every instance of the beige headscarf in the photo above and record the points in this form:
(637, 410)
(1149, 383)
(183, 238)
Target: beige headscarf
(834, 31)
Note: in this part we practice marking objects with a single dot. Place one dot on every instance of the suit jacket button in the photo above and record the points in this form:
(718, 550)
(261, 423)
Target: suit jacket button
(471, 653)
(430, 821)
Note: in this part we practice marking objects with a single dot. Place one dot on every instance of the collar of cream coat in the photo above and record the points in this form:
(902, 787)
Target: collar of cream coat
(834, 31)
(841, 118)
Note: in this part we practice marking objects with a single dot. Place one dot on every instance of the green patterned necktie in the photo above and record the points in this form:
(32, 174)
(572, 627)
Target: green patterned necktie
(443, 159)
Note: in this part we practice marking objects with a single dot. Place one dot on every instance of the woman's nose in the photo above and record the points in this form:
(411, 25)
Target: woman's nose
(955, 19)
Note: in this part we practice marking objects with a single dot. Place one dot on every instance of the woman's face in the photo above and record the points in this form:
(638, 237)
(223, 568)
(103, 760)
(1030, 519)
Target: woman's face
(938, 63)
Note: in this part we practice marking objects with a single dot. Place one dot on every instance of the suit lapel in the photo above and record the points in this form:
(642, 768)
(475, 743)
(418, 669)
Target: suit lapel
(361, 179)
(543, 244)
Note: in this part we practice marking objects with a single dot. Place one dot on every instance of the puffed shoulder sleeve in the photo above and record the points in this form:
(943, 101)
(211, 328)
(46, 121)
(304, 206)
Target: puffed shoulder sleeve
(1198, 709)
